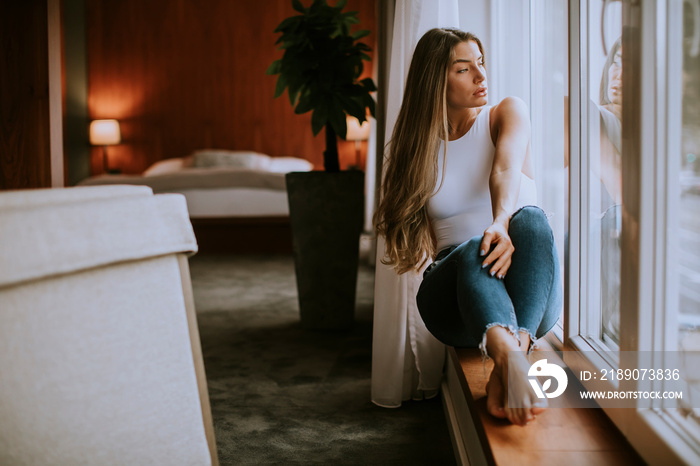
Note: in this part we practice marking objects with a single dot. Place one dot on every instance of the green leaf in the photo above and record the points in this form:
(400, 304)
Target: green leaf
(350, 17)
(318, 119)
(281, 84)
(340, 127)
(353, 106)
(306, 104)
(340, 5)
(294, 86)
(370, 104)
(292, 96)
(368, 85)
(336, 115)
(275, 67)
(296, 4)
(360, 34)
(289, 23)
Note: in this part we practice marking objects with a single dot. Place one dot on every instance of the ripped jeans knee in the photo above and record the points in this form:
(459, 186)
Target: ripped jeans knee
(459, 301)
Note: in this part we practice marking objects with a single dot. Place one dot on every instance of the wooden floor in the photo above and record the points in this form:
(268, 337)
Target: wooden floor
(560, 435)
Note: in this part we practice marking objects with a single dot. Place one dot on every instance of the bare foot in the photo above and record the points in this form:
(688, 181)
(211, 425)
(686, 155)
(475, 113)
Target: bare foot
(520, 402)
(509, 392)
(494, 391)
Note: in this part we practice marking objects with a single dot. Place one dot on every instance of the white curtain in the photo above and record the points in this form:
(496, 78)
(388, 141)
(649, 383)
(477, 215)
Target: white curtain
(407, 361)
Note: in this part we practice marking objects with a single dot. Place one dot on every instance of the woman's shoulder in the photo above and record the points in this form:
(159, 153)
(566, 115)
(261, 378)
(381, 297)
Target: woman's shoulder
(511, 110)
(510, 106)
(607, 114)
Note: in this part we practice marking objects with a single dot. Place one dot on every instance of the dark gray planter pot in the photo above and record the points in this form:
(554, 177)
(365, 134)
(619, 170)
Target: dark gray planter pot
(326, 214)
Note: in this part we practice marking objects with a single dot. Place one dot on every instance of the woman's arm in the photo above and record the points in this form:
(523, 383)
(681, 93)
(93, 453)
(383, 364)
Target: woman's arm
(511, 132)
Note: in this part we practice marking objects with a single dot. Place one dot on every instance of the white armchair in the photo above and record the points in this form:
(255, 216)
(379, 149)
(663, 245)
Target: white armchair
(100, 360)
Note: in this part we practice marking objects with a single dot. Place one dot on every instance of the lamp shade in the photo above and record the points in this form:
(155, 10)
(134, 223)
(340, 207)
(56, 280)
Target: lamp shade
(104, 132)
(357, 132)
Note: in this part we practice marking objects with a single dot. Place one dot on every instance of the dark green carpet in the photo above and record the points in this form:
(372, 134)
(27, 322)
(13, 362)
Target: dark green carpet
(283, 395)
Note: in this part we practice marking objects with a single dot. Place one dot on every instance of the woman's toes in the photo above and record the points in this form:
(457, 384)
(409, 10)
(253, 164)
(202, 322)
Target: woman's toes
(520, 417)
(495, 409)
(538, 409)
(494, 390)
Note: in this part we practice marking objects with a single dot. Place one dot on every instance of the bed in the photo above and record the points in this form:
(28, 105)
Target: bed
(237, 200)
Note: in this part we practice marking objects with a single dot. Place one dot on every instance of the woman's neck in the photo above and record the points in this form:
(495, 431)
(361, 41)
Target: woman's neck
(461, 121)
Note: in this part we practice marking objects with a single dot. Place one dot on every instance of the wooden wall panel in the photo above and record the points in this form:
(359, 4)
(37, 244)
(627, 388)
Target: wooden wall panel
(182, 75)
(25, 157)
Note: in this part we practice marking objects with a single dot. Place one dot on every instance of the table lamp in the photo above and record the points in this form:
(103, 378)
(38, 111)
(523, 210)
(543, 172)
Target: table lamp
(357, 132)
(105, 133)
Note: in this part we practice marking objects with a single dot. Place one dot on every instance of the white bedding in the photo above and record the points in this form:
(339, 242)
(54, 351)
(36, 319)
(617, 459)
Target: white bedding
(236, 202)
(219, 183)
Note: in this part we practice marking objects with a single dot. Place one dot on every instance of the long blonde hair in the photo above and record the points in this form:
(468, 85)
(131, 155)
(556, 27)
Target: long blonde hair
(411, 169)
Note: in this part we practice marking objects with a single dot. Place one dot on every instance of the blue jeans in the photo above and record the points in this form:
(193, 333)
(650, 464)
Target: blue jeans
(459, 301)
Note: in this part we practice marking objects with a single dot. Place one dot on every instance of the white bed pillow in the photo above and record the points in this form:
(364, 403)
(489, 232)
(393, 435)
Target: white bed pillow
(165, 166)
(289, 164)
(209, 158)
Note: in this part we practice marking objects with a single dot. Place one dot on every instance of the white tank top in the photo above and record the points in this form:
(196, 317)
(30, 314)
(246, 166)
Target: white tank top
(461, 208)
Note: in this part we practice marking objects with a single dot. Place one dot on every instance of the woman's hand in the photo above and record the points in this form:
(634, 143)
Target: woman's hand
(499, 247)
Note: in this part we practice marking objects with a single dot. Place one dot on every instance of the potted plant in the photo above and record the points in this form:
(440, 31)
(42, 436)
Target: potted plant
(320, 69)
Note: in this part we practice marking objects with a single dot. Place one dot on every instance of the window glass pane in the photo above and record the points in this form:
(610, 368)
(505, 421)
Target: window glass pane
(604, 131)
(549, 88)
(689, 211)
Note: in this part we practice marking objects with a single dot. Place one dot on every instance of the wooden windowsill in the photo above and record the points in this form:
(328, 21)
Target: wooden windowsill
(560, 435)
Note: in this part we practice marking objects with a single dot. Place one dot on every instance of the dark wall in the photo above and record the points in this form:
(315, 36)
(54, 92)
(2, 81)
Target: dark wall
(75, 87)
(181, 75)
(25, 158)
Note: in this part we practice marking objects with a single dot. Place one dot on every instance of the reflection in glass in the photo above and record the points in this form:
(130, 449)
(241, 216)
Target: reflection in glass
(610, 175)
(604, 168)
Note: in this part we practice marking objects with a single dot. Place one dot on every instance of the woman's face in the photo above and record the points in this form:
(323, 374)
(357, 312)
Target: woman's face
(615, 79)
(466, 77)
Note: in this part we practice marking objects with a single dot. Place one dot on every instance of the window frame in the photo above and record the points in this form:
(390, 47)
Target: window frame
(583, 354)
(649, 285)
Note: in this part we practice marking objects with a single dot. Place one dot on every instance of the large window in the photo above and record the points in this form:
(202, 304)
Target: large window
(622, 186)
(687, 220)
(681, 321)
(595, 162)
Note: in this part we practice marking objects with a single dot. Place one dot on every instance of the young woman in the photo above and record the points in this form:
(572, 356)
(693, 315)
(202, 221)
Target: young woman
(609, 171)
(458, 189)
(610, 109)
